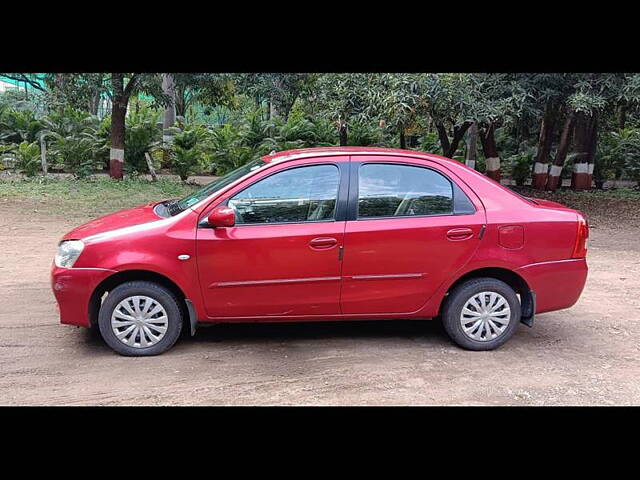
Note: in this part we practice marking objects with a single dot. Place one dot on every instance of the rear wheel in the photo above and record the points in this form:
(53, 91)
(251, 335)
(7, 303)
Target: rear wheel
(140, 319)
(481, 314)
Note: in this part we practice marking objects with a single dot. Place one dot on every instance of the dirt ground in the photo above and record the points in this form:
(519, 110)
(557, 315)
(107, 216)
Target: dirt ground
(587, 355)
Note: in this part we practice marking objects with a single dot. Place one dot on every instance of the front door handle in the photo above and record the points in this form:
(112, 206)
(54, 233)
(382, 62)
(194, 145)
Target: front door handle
(459, 234)
(323, 243)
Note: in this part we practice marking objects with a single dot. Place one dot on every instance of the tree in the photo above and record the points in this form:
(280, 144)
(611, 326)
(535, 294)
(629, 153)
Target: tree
(205, 88)
(396, 100)
(279, 90)
(497, 100)
(81, 91)
(345, 98)
(471, 153)
(26, 78)
(448, 101)
(123, 86)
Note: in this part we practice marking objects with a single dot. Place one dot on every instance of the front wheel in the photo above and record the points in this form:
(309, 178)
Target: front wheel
(481, 314)
(140, 318)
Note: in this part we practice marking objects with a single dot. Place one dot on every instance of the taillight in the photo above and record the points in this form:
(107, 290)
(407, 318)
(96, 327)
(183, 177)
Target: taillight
(580, 249)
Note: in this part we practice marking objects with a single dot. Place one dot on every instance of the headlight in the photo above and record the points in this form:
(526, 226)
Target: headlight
(68, 253)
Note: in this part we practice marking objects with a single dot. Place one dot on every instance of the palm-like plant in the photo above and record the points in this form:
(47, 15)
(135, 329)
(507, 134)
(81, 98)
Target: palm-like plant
(19, 126)
(76, 143)
(28, 158)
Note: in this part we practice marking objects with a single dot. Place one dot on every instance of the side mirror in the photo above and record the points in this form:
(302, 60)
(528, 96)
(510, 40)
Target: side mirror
(222, 217)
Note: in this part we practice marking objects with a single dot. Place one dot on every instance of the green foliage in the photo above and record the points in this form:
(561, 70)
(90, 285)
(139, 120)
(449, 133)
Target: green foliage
(18, 126)
(258, 113)
(612, 154)
(364, 134)
(628, 147)
(186, 149)
(518, 165)
(75, 141)
(28, 158)
(429, 143)
(140, 138)
(297, 132)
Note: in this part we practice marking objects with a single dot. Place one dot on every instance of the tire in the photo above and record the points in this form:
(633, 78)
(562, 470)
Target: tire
(160, 330)
(488, 334)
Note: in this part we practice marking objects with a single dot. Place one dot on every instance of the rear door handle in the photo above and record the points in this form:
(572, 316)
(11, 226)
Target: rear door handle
(323, 243)
(459, 234)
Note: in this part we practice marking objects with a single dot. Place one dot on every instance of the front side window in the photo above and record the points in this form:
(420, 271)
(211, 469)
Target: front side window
(302, 194)
(387, 190)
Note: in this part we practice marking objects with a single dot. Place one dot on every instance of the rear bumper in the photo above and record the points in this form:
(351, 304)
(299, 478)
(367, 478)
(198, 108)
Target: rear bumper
(558, 284)
(73, 288)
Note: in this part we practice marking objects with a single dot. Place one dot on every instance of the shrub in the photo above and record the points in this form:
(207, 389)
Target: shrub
(430, 143)
(18, 126)
(610, 158)
(77, 153)
(186, 150)
(518, 165)
(364, 135)
(76, 142)
(28, 158)
(226, 151)
(631, 150)
(140, 138)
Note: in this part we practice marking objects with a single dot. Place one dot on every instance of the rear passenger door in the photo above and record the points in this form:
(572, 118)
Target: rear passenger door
(409, 226)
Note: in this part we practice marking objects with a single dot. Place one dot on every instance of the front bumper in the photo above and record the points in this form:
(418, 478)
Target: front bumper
(73, 288)
(557, 284)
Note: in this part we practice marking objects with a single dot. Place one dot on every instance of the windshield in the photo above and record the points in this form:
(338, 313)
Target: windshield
(218, 184)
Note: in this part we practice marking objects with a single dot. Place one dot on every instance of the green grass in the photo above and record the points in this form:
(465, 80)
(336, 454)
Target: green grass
(90, 197)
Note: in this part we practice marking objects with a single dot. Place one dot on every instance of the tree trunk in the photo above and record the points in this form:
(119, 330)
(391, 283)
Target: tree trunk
(472, 146)
(343, 132)
(169, 119)
(458, 135)
(444, 138)
(403, 140)
(554, 180)
(152, 170)
(94, 103)
(593, 146)
(581, 177)
(59, 80)
(622, 116)
(541, 165)
(273, 110)
(490, 149)
(118, 115)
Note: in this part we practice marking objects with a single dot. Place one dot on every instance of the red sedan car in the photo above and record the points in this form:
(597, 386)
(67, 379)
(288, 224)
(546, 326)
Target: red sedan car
(325, 234)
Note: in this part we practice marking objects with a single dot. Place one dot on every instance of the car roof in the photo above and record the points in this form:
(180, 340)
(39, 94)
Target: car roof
(286, 155)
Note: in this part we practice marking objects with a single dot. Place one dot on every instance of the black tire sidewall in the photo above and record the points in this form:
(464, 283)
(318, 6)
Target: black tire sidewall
(459, 296)
(160, 294)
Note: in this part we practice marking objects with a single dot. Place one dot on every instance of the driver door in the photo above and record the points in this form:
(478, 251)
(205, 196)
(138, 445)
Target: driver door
(282, 256)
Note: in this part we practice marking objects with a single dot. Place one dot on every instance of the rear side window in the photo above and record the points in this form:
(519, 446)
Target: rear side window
(387, 190)
(302, 194)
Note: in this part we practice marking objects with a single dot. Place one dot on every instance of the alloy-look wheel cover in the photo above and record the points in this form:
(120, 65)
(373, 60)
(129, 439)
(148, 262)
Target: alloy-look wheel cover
(485, 316)
(139, 321)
